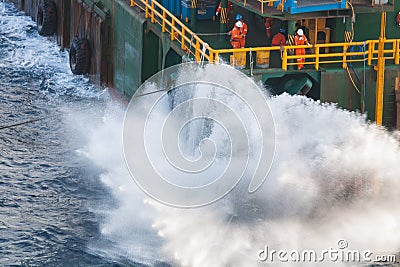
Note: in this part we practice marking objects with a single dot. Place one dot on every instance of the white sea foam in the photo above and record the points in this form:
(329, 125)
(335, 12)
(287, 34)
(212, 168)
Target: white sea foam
(334, 177)
(28, 51)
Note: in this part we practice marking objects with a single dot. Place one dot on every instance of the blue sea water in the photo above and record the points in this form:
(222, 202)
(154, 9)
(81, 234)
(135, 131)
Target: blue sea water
(47, 191)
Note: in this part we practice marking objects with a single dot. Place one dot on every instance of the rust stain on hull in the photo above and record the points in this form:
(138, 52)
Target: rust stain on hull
(87, 24)
(75, 18)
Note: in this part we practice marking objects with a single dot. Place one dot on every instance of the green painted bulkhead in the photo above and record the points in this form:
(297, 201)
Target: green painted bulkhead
(334, 85)
(130, 49)
(139, 50)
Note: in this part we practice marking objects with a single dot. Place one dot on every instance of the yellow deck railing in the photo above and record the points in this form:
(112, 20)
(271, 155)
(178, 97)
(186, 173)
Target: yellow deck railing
(391, 51)
(339, 53)
(178, 31)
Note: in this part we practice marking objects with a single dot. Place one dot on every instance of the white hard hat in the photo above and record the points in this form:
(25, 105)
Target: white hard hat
(239, 24)
(300, 32)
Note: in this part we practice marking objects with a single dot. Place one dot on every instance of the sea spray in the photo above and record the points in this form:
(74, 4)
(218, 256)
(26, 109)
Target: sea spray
(126, 232)
(334, 177)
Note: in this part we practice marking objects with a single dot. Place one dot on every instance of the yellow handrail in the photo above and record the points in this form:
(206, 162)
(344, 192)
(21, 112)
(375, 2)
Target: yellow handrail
(189, 41)
(195, 46)
(339, 54)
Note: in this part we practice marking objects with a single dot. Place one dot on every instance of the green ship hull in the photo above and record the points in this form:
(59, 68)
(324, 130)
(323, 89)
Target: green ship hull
(126, 48)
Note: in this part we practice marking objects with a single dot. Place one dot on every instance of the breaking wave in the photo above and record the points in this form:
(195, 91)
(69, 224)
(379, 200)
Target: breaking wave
(335, 176)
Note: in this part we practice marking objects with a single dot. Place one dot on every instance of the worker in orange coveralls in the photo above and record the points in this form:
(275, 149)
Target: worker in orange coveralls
(244, 29)
(268, 27)
(300, 39)
(237, 35)
(398, 19)
(279, 38)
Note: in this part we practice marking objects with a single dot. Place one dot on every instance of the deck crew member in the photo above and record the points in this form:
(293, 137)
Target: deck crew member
(279, 39)
(237, 35)
(244, 29)
(398, 19)
(300, 39)
(268, 27)
(300, 25)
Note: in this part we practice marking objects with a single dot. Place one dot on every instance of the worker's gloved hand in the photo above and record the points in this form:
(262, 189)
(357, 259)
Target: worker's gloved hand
(229, 33)
(216, 13)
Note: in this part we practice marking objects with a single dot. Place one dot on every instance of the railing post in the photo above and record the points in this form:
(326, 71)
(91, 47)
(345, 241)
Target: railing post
(380, 81)
(211, 56)
(147, 9)
(397, 56)
(197, 51)
(371, 45)
(344, 64)
(291, 41)
(183, 38)
(284, 59)
(152, 12)
(317, 57)
(262, 7)
(164, 15)
(380, 73)
(173, 30)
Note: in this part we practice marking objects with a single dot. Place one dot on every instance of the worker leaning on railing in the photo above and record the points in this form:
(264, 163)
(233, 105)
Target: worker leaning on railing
(300, 39)
(279, 39)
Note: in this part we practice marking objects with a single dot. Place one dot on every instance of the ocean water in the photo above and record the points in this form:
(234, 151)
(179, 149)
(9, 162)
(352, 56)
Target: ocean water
(48, 191)
(67, 199)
